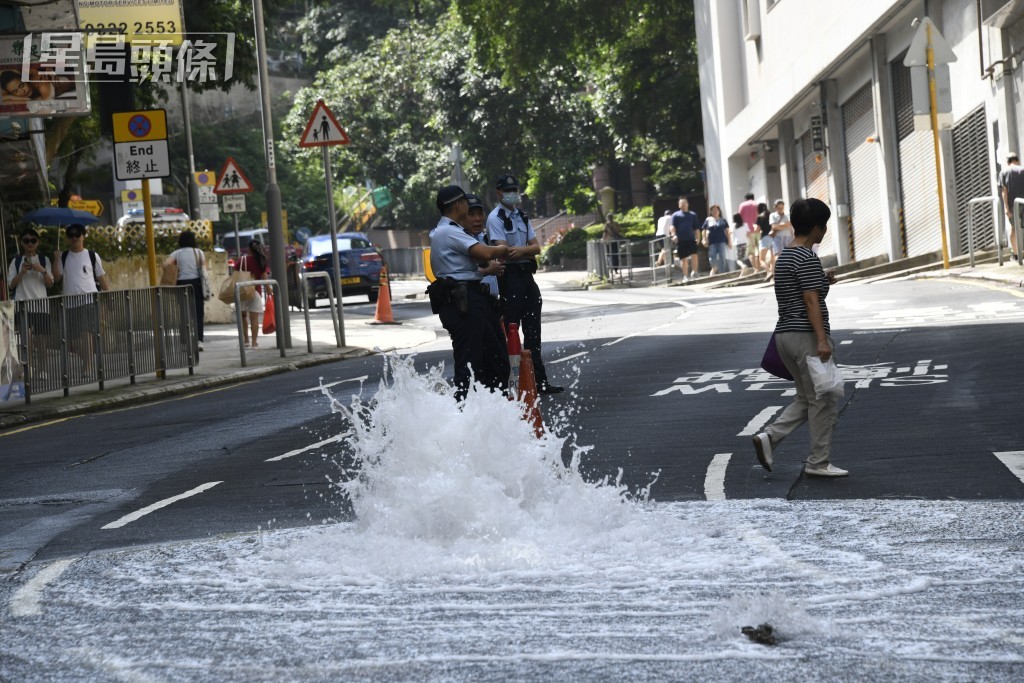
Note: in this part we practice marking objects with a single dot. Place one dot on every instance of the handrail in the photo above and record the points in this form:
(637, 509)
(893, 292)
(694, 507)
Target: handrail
(339, 334)
(970, 226)
(279, 333)
(665, 243)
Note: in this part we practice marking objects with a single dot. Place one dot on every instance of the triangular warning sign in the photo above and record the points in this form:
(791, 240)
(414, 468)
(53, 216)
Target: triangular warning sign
(231, 180)
(323, 129)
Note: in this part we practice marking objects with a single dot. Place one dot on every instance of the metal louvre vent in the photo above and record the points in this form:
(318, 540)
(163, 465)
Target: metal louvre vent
(919, 198)
(973, 178)
(862, 175)
(816, 184)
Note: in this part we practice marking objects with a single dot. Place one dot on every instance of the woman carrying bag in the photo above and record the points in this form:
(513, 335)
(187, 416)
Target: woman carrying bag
(255, 263)
(189, 264)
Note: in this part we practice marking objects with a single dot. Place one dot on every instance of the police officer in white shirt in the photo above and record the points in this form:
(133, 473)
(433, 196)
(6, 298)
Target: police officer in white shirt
(462, 301)
(508, 225)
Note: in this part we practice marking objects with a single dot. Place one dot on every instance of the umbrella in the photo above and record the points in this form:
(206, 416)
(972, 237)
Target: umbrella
(58, 215)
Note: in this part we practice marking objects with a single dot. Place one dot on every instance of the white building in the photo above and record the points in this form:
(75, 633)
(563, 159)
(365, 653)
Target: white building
(812, 98)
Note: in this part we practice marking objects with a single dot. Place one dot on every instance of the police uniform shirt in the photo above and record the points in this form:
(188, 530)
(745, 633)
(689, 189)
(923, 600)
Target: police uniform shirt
(490, 280)
(449, 251)
(522, 232)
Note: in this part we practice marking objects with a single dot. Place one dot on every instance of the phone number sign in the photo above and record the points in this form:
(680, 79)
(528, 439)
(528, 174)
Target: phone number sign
(137, 19)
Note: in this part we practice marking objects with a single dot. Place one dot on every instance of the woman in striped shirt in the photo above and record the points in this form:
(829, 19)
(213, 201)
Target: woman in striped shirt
(801, 285)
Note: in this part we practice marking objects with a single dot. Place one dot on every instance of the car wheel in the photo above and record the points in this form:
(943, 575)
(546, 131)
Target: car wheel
(311, 302)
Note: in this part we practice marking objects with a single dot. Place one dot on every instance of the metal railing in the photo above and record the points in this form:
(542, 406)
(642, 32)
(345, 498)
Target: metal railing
(339, 332)
(654, 249)
(977, 201)
(610, 260)
(278, 332)
(78, 339)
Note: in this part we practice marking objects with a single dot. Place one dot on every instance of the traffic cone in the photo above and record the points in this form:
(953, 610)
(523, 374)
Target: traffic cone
(383, 315)
(528, 394)
(514, 351)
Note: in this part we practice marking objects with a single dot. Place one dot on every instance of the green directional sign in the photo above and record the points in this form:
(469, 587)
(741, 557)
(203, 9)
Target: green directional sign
(381, 197)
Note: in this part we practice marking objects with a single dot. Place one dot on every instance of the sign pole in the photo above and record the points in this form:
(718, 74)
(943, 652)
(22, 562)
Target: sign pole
(933, 112)
(238, 243)
(147, 207)
(335, 262)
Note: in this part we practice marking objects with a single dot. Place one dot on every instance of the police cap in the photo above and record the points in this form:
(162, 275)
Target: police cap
(506, 181)
(474, 201)
(448, 195)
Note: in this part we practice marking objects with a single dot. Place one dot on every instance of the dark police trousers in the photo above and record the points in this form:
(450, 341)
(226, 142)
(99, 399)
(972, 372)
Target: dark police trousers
(477, 342)
(522, 306)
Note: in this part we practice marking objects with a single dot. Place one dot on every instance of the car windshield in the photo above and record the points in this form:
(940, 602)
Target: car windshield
(320, 247)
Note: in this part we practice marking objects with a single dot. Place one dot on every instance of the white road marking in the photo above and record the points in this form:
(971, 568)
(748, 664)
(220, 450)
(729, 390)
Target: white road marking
(138, 514)
(562, 360)
(1014, 461)
(759, 421)
(310, 447)
(714, 480)
(331, 384)
(845, 342)
(637, 334)
(25, 602)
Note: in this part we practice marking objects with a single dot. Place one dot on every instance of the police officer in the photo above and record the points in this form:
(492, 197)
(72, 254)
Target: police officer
(508, 225)
(462, 301)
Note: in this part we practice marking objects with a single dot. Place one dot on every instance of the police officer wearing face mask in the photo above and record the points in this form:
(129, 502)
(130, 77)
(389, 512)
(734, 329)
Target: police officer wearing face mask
(462, 301)
(508, 225)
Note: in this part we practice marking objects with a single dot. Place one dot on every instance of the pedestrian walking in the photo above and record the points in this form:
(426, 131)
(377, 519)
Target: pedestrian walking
(191, 262)
(508, 226)
(459, 297)
(748, 210)
(254, 262)
(743, 260)
(29, 275)
(684, 235)
(661, 232)
(766, 244)
(1011, 187)
(716, 235)
(82, 275)
(802, 332)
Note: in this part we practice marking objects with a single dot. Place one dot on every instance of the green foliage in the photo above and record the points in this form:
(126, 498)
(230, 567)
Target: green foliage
(637, 223)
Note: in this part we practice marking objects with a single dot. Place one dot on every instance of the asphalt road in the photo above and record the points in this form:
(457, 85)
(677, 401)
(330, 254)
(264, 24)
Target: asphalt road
(663, 387)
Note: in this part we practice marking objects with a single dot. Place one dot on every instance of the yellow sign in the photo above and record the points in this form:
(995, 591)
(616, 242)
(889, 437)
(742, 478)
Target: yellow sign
(140, 126)
(93, 206)
(206, 178)
(131, 196)
(155, 21)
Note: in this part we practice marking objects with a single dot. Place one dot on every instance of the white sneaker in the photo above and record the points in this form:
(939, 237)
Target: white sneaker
(199, 345)
(829, 470)
(763, 450)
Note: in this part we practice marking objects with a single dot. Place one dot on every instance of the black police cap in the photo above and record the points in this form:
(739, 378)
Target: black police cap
(506, 182)
(448, 195)
(474, 201)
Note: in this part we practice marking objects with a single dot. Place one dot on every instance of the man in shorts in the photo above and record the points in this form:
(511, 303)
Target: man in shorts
(82, 272)
(30, 274)
(684, 235)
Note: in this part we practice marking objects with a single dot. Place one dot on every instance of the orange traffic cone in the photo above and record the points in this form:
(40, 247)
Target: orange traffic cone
(383, 315)
(514, 351)
(528, 394)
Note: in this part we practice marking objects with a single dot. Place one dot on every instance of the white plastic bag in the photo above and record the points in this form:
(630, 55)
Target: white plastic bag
(827, 377)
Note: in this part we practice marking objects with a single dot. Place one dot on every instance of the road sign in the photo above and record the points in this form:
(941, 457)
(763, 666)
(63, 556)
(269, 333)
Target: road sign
(93, 206)
(205, 179)
(234, 203)
(232, 180)
(323, 129)
(131, 196)
(140, 126)
(917, 53)
(210, 212)
(207, 195)
(381, 197)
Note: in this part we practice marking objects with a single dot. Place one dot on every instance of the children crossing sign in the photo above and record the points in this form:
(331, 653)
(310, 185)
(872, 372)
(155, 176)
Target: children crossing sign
(232, 180)
(323, 129)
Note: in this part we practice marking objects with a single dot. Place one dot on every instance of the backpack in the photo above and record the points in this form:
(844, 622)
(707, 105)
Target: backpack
(92, 260)
(19, 259)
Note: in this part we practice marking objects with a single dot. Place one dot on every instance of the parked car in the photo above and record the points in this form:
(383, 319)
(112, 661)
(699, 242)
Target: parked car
(226, 242)
(360, 262)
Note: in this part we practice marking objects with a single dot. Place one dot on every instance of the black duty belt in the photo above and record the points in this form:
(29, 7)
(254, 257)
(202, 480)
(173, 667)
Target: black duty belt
(519, 267)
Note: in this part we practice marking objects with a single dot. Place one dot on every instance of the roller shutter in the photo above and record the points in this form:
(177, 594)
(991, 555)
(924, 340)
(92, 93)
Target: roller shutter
(862, 172)
(815, 176)
(973, 179)
(917, 171)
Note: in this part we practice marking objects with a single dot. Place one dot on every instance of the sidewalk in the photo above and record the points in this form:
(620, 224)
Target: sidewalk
(220, 364)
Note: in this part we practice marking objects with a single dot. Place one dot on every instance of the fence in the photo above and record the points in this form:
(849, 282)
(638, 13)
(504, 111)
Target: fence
(77, 339)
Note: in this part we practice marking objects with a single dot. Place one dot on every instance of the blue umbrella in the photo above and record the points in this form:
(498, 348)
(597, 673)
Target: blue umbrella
(58, 215)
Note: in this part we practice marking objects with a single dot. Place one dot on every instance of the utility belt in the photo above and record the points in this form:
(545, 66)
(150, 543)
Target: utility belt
(445, 290)
(527, 267)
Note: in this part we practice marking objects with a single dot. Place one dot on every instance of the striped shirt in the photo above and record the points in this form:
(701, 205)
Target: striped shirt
(798, 270)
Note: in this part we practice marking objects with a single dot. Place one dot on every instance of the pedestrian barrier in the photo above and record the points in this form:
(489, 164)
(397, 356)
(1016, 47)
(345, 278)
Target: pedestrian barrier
(654, 250)
(383, 315)
(608, 260)
(339, 334)
(995, 224)
(78, 339)
(528, 393)
(278, 332)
